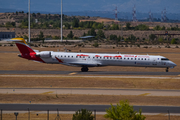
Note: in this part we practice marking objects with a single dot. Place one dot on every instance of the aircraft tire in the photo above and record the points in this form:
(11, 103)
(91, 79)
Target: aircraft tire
(84, 69)
(167, 70)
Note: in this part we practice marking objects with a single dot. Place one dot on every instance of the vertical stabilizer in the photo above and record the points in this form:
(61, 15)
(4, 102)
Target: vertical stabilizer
(26, 51)
(23, 47)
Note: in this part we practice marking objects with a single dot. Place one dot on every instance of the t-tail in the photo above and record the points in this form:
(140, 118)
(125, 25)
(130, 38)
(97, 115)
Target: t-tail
(26, 51)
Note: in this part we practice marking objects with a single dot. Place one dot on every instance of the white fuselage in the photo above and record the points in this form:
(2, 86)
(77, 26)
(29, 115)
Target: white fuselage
(86, 60)
(93, 60)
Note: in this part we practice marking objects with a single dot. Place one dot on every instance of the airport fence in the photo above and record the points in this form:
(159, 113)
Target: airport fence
(38, 115)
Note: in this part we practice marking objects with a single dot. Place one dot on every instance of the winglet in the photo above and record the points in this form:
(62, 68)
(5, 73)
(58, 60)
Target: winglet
(18, 40)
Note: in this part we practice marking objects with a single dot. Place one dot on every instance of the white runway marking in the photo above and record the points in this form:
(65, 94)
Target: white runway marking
(90, 76)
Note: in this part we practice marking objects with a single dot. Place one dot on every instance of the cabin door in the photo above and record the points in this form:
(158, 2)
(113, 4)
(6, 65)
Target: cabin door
(154, 62)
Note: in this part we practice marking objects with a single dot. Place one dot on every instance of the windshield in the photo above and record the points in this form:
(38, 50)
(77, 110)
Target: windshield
(164, 59)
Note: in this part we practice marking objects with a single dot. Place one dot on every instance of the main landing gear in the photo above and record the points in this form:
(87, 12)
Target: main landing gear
(84, 69)
(167, 69)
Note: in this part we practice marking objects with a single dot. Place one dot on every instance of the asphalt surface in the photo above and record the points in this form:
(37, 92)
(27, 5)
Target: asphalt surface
(98, 108)
(90, 91)
(89, 72)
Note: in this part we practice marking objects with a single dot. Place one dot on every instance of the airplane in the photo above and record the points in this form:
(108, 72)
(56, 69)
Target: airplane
(86, 60)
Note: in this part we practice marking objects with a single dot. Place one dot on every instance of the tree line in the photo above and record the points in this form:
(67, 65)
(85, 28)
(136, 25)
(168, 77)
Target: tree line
(52, 21)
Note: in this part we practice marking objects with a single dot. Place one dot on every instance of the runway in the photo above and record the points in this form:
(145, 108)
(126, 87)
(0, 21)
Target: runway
(88, 73)
(69, 107)
(90, 91)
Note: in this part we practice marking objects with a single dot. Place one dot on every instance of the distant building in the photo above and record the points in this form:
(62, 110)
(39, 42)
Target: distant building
(36, 20)
(7, 35)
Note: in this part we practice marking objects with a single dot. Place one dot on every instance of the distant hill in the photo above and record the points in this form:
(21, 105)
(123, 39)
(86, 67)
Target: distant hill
(3, 10)
(127, 16)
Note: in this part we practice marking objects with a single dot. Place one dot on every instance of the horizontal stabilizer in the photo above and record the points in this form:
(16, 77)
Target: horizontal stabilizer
(16, 40)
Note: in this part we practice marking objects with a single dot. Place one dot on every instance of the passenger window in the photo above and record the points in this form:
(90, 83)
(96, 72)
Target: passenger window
(76, 56)
(131, 58)
(145, 59)
(138, 58)
(141, 58)
(135, 58)
(72, 56)
(64, 56)
(124, 58)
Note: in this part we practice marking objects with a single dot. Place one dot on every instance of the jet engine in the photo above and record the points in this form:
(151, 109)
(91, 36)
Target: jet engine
(44, 54)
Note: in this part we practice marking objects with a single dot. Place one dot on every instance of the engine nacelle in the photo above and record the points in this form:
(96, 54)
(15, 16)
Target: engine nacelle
(44, 54)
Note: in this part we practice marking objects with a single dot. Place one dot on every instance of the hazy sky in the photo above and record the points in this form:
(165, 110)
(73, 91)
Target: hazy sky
(156, 6)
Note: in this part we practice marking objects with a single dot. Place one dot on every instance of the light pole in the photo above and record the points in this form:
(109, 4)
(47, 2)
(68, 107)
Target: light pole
(29, 23)
(61, 22)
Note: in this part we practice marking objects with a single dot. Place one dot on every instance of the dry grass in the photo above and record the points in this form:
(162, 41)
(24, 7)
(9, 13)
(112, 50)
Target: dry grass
(88, 82)
(10, 61)
(100, 20)
(106, 49)
(161, 117)
(88, 99)
(34, 116)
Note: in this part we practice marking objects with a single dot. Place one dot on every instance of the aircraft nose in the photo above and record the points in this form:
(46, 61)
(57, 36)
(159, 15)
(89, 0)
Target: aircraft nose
(173, 64)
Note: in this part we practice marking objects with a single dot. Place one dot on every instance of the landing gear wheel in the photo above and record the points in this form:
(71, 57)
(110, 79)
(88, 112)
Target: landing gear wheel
(166, 69)
(84, 69)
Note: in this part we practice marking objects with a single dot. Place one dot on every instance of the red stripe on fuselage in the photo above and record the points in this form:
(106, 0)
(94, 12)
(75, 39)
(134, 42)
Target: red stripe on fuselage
(83, 55)
(28, 53)
(59, 60)
(97, 56)
(118, 56)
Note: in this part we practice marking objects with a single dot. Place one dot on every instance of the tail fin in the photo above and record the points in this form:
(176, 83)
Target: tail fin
(26, 51)
(23, 47)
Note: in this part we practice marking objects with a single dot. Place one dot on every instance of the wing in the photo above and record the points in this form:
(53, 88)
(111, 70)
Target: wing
(86, 64)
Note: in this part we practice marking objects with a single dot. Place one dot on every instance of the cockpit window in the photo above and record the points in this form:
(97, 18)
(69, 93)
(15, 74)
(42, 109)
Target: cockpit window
(164, 59)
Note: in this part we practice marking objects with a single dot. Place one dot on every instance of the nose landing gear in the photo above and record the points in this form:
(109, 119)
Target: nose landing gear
(167, 69)
(84, 69)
